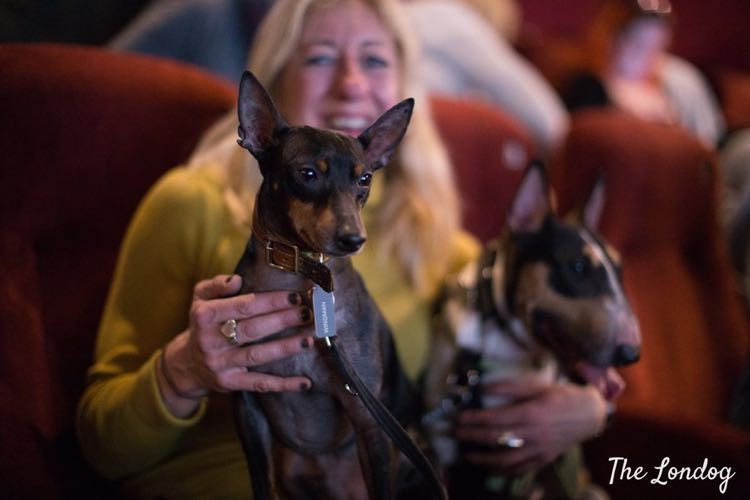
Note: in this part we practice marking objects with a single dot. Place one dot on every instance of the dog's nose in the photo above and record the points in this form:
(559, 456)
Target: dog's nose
(350, 242)
(626, 354)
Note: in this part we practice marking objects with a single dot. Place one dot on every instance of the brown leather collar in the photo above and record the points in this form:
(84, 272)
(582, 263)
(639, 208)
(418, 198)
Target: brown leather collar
(290, 258)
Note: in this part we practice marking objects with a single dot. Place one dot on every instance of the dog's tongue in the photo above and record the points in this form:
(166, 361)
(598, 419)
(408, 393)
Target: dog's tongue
(607, 380)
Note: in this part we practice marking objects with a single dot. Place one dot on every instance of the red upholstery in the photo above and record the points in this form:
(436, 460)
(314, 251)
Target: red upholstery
(646, 440)
(489, 150)
(712, 36)
(661, 214)
(734, 91)
(85, 133)
(558, 59)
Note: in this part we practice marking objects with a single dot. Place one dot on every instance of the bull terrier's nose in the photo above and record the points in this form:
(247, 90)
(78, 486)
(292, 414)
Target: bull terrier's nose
(626, 354)
(350, 242)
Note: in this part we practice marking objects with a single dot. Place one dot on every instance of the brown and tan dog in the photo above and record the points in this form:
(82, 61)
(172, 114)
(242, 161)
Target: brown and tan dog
(321, 443)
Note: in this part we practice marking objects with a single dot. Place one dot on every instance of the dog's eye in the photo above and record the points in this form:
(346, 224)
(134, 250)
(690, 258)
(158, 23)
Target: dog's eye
(580, 267)
(365, 180)
(308, 174)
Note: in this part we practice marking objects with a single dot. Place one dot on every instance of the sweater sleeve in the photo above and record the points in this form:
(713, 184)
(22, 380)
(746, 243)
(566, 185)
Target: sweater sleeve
(466, 248)
(123, 425)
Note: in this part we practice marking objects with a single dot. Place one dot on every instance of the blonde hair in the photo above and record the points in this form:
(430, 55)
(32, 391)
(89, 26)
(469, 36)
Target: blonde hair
(420, 212)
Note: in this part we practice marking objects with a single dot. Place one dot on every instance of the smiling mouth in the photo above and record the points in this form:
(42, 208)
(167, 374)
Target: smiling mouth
(348, 123)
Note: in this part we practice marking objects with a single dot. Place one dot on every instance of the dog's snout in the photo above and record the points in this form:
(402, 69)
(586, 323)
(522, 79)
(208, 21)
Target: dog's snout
(626, 354)
(350, 242)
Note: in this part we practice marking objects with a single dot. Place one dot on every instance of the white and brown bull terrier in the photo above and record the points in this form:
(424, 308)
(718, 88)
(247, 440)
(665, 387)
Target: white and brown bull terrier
(544, 302)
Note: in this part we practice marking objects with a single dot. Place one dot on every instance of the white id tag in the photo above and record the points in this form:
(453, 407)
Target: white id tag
(324, 312)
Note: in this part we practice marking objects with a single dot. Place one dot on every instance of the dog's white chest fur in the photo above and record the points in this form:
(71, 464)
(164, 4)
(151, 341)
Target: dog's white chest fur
(510, 354)
(506, 354)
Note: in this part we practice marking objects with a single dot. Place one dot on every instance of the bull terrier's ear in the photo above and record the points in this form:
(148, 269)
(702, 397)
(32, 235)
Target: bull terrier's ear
(592, 210)
(260, 121)
(531, 204)
(380, 140)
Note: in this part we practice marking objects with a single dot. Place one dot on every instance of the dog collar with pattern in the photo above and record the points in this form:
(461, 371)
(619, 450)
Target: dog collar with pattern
(490, 291)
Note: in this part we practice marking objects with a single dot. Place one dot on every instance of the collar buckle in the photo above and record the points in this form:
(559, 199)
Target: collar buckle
(269, 257)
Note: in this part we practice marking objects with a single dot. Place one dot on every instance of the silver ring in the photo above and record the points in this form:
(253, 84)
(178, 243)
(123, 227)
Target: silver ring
(229, 330)
(509, 440)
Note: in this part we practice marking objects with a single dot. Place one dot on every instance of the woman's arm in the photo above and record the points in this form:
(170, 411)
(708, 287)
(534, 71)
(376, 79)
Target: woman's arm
(159, 324)
(550, 419)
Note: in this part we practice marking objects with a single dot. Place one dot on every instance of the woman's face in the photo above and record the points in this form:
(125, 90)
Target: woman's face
(345, 71)
(639, 48)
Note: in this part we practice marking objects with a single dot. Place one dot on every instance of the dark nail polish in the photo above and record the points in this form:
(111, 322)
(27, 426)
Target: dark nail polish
(305, 386)
(229, 278)
(305, 314)
(306, 343)
(294, 298)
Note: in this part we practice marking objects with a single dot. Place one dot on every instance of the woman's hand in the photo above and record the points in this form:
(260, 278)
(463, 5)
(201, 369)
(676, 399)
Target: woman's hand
(549, 419)
(201, 359)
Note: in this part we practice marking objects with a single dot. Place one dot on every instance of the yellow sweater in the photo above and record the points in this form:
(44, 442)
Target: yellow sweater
(182, 233)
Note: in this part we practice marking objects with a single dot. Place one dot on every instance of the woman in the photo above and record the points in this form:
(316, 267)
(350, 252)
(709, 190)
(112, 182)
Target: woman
(156, 414)
(629, 67)
(463, 54)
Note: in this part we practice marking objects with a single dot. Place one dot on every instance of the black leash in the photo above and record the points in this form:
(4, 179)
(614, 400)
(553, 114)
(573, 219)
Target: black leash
(254, 449)
(387, 422)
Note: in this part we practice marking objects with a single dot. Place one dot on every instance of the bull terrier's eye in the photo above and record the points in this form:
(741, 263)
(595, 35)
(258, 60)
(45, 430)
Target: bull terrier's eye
(308, 174)
(580, 267)
(365, 180)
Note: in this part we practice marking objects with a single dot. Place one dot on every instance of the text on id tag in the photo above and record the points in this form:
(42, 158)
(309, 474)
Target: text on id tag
(324, 312)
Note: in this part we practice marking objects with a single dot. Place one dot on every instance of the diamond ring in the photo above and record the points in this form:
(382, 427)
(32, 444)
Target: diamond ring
(509, 440)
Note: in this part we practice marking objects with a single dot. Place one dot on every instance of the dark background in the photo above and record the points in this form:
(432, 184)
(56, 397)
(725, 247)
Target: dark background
(711, 33)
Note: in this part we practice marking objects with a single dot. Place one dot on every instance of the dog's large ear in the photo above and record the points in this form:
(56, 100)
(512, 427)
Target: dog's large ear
(531, 204)
(260, 121)
(382, 137)
(591, 212)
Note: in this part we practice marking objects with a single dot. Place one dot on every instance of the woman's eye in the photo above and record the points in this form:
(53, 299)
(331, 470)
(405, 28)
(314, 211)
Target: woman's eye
(319, 60)
(373, 62)
(308, 174)
(365, 180)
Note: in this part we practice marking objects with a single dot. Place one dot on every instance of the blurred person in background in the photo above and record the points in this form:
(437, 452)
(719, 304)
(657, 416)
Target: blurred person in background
(213, 34)
(630, 67)
(465, 54)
